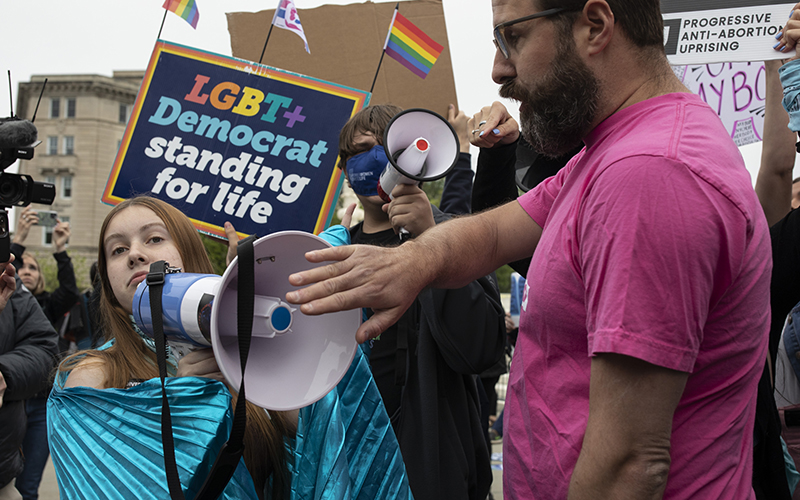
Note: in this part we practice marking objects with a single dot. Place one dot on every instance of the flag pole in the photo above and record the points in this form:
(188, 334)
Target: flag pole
(162, 24)
(383, 52)
(266, 41)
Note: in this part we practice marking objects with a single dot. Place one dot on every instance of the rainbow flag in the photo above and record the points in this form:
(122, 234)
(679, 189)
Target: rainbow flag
(410, 46)
(187, 9)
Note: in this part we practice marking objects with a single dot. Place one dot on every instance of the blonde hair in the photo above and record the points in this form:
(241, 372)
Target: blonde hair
(129, 358)
(40, 284)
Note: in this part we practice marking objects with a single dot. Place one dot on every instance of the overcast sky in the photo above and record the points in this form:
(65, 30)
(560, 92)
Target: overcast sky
(100, 36)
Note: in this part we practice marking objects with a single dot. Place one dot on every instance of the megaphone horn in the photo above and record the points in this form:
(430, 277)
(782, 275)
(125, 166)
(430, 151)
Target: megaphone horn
(421, 146)
(294, 359)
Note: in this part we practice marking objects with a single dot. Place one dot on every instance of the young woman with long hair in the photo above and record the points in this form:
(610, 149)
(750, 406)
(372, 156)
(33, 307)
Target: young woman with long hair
(340, 447)
(134, 234)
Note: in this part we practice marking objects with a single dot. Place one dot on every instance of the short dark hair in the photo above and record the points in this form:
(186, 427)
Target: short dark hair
(373, 120)
(640, 19)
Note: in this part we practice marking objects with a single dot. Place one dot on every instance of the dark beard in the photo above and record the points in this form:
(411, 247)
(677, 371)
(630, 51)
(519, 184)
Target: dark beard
(559, 111)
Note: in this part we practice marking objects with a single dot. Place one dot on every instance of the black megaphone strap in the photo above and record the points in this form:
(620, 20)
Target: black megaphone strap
(231, 452)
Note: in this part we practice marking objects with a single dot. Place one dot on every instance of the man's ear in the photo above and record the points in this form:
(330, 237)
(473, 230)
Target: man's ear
(596, 26)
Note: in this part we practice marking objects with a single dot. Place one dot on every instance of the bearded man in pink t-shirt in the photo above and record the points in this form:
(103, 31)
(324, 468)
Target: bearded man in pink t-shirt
(646, 311)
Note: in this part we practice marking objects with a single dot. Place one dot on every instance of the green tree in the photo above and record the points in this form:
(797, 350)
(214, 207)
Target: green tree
(504, 279)
(49, 269)
(434, 190)
(217, 250)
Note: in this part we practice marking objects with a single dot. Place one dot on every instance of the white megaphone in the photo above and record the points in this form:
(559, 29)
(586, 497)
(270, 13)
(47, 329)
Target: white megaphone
(294, 359)
(421, 146)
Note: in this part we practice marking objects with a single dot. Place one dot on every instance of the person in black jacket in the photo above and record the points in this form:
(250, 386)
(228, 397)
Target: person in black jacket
(27, 346)
(425, 363)
(457, 190)
(504, 154)
(55, 305)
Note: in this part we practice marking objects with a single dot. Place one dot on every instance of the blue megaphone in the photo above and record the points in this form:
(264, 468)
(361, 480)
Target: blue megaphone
(187, 302)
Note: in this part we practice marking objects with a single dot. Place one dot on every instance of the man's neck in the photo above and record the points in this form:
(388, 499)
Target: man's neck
(654, 79)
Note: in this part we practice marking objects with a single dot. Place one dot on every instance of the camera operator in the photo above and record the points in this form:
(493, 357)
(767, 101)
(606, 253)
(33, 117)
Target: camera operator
(55, 305)
(27, 347)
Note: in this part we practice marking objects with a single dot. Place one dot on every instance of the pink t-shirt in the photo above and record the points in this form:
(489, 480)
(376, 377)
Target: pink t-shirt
(654, 246)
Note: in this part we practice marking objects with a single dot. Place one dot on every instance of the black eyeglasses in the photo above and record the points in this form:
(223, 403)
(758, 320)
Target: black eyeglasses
(500, 30)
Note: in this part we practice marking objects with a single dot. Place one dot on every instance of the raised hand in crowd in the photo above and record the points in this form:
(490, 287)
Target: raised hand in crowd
(774, 179)
(348, 215)
(233, 236)
(787, 41)
(61, 233)
(460, 123)
(493, 125)
(233, 243)
(28, 217)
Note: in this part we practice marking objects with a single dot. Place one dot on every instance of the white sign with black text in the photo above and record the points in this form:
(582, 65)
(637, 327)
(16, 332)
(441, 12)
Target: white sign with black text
(700, 32)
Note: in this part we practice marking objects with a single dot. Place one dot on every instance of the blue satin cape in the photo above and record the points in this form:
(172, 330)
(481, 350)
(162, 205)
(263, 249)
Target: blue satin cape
(345, 446)
(106, 443)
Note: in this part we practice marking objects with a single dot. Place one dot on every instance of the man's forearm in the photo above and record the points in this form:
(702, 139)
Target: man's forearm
(638, 478)
(463, 249)
(626, 449)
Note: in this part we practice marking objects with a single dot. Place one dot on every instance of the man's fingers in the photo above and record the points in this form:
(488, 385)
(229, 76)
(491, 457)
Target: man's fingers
(323, 282)
(330, 254)
(326, 302)
(322, 272)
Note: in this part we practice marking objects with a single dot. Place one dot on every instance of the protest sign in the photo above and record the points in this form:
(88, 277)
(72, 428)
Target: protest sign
(710, 31)
(346, 44)
(736, 91)
(223, 139)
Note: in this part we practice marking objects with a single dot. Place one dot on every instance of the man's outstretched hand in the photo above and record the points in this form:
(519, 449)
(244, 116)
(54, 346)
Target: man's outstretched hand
(387, 280)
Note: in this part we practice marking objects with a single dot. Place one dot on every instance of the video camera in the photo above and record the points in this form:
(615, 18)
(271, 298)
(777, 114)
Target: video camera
(17, 140)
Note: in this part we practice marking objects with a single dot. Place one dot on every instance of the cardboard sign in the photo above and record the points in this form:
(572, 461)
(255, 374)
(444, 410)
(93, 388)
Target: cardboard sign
(346, 43)
(711, 31)
(736, 91)
(223, 139)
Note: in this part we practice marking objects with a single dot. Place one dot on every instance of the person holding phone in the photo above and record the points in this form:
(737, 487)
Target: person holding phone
(55, 305)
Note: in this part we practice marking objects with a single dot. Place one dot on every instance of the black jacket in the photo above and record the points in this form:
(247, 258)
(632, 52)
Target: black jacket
(55, 305)
(500, 174)
(27, 346)
(452, 335)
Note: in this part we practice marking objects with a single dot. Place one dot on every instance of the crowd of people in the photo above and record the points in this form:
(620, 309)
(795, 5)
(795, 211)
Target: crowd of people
(653, 341)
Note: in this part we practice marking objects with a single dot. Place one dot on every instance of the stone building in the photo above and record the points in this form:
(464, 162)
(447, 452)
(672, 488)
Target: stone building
(81, 120)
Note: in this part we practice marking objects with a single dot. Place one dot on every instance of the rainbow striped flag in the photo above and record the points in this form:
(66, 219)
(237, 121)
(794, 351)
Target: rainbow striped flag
(410, 46)
(187, 9)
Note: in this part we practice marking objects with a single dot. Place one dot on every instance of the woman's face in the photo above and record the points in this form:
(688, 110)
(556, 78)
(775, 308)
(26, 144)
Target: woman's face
(135, 238)
(29, 273)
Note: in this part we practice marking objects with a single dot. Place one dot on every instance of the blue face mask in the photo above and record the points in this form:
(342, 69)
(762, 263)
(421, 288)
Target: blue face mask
(364, 170)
